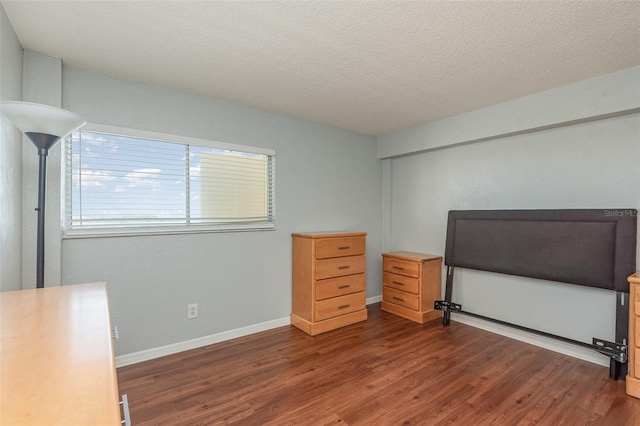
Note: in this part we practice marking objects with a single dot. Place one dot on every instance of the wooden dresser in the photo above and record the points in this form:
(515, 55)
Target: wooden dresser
(56, 357)
(329, 281)
(411, 285)
(633, 378)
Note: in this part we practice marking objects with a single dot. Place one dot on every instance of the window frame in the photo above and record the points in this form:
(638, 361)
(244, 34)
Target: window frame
(130, 231)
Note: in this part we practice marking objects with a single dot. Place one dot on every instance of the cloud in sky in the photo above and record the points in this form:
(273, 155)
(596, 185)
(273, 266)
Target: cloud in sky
(142, 178)
(92, 179)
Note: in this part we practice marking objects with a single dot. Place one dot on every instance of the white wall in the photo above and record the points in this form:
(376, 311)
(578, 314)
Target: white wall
(326, 179)
(10, 161)
(590, 164)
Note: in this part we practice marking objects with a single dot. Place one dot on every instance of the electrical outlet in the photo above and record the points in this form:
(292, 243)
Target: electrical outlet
(192, 311)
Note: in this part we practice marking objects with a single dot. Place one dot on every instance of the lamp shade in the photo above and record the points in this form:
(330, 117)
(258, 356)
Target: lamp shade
(42, 119)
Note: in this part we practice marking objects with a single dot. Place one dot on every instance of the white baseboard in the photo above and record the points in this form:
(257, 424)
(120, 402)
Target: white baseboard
(146, 355)
(173, 348)
(533, 339)
(374, 299)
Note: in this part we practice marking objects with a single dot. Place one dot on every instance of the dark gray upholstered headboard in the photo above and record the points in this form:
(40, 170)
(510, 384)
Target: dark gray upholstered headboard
(595, 248)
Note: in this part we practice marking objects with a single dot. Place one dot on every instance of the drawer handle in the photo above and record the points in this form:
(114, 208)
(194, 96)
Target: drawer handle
(398, 282)
(398, 267)
(125, 410)
(343, 306)
(344, 247)
(344, 267)
(398, 298)
(344, 286)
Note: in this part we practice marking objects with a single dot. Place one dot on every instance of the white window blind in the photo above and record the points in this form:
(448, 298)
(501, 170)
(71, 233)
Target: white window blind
(127, 184)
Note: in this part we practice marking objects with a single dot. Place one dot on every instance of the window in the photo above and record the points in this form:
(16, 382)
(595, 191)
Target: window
(122, 182)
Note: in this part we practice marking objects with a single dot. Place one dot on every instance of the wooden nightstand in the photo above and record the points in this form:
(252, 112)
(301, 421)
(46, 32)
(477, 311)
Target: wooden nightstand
(411, 285)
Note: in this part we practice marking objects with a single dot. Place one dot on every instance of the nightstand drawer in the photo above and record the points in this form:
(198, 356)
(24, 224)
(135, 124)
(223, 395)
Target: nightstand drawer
(336, 306)
(340, 266)
(401, 282)
(401, 298)
(340, 286)
(338, 247)
(397, 266)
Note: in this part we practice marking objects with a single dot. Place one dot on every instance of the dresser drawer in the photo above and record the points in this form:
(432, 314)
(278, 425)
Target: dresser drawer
(397, 266)
(337, 247)
(401, 282)
(340, 266)
(636, 318)
(401, 298)
(340, 286)
(336, 306)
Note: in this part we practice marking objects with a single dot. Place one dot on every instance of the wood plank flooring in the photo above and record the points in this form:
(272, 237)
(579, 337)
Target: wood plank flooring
(385, 371)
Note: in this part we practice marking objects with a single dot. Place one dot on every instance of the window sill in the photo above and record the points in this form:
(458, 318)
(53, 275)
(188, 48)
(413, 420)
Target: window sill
(152, 231)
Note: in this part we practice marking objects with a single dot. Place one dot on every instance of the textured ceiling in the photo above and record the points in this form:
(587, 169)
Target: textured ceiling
(370, 67)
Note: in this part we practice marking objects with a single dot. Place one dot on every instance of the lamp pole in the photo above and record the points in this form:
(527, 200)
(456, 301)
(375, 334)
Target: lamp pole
(42, 192)
(43, 142)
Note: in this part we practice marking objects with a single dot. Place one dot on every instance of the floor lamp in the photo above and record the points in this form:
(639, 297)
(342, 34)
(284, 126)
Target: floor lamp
(44, 125)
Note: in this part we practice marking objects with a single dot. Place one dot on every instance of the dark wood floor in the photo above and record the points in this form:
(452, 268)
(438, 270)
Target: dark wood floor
(385, 371)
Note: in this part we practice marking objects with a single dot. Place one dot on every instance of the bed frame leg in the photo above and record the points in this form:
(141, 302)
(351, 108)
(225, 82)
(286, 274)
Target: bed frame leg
(614, 369)
(446, 318)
